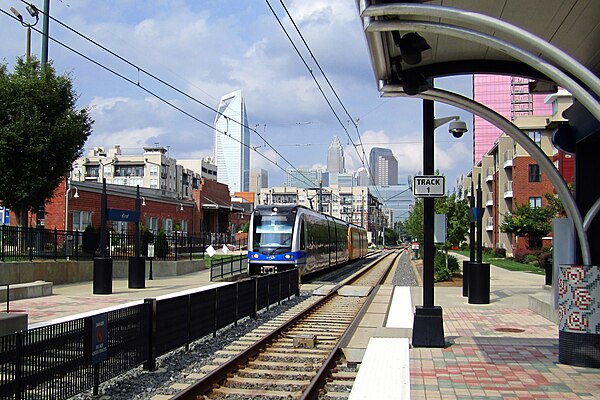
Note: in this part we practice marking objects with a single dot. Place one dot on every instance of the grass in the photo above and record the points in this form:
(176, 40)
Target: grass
(208, 261)
(506, 263)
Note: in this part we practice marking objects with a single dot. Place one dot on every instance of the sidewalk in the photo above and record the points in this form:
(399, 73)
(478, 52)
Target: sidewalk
(78, 298)
(500, 350)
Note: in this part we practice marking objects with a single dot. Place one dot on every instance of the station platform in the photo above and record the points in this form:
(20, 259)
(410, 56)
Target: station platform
(502, 350)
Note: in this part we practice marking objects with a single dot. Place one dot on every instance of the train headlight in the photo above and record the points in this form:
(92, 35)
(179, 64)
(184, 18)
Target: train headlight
(255, 255)
(287, 256)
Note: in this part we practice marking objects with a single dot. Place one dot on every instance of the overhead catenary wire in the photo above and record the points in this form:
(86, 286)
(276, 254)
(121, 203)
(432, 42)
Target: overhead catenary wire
(330, 86)
(150, 92)
(364, 157)
(137, 83)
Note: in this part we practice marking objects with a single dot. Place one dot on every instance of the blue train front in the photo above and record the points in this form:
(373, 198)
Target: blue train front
(271, 244)
(283, 237)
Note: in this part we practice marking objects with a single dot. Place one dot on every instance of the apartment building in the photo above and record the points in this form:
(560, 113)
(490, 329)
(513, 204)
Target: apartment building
(152, 169)
(509, 176)
(357, 204)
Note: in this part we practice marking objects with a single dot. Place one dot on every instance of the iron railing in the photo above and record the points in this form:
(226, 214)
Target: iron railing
(59, 361)
(27, 244)
(231, 265)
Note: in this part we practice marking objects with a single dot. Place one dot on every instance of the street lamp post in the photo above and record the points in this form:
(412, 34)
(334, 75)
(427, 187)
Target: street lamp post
(35, 14)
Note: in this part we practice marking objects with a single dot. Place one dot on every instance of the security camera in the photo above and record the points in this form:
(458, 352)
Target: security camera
(457, 128)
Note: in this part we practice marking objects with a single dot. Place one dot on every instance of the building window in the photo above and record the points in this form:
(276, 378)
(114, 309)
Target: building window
(536, 136)
(535, 202)
(168, 226)
(154, 170)
(535, 174)
(81, 220)
(92, 171)
(120, 226)
(152, 224)
(153, 183)
(184, 226)
(129, 170)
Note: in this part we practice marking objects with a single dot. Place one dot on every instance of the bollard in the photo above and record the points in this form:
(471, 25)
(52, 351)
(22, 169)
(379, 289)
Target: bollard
(103, 269)
(479, 283)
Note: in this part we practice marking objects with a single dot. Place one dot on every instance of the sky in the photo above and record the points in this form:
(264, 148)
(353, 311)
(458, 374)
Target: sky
(206, 49)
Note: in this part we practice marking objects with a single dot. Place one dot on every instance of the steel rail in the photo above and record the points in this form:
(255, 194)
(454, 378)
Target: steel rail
(318, 381)
(219, 374)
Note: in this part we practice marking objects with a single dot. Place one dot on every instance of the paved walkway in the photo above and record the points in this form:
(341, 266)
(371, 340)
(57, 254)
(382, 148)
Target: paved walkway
(500, 350)
(78, 299)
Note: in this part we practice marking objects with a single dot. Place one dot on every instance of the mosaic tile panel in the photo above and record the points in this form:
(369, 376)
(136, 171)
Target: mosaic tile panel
(579, 299)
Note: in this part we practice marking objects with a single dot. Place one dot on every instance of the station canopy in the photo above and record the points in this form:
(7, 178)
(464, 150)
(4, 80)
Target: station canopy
(409, 48)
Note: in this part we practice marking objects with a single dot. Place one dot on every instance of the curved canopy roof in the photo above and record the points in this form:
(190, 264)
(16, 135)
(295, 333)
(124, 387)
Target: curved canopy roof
(571, 25)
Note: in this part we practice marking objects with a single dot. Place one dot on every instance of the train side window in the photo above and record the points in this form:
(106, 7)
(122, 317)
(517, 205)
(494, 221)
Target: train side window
(302, 237)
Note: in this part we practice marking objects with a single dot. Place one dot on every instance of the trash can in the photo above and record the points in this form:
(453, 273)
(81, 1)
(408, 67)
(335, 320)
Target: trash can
(103, 269)
(479, 283)
(136, 274)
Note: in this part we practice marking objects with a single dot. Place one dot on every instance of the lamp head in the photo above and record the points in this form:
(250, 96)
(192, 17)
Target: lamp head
(17, 14)
(32, 10)
(458, 128)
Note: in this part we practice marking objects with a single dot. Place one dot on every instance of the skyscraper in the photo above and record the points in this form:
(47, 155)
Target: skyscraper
(508, 96)
(232, 141)
(383, 166)
(362, 177)
(335, 157)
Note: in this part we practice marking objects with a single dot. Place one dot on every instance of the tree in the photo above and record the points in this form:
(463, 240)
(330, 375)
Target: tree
(161, 245)
(391, 236)
(414, 223)
(90, 240)
(41, 134)
(456, 209)
(534, 223)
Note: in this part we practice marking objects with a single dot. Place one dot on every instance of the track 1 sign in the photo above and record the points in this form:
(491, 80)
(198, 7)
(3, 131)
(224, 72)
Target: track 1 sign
(429, 186)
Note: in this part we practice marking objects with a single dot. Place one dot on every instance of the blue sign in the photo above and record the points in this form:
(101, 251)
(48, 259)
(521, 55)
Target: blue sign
(114, 214)
(99, 339)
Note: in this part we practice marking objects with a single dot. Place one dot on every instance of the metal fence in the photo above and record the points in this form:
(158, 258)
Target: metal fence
(225, 266)
(21, 244)
(61, 360)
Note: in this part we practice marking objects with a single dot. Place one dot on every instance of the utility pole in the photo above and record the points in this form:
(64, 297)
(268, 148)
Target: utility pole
(321, 194)
(362, 208)
(45, 32)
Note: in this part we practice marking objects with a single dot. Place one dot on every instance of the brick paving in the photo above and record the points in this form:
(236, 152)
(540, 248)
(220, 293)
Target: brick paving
(498, 354)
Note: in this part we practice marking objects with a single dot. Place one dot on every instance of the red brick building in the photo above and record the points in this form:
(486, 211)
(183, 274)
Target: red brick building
(208, 210)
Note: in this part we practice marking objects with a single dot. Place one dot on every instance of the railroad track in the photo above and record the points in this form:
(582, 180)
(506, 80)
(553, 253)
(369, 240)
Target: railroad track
(293, 356)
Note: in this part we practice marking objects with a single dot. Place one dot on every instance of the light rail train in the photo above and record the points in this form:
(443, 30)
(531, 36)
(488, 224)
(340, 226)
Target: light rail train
(283, 237)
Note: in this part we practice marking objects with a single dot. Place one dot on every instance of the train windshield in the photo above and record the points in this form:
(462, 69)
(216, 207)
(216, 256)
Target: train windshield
(272, 234)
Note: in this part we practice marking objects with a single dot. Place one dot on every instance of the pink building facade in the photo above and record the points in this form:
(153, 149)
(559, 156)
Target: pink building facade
(508, 96)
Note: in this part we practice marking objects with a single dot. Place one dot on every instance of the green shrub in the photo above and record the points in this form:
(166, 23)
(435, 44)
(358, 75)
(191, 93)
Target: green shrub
(90, 240)
(488, 252)
(440, 272)
(499, 252)
(453, 264)
(530, 259)
(161, 246)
